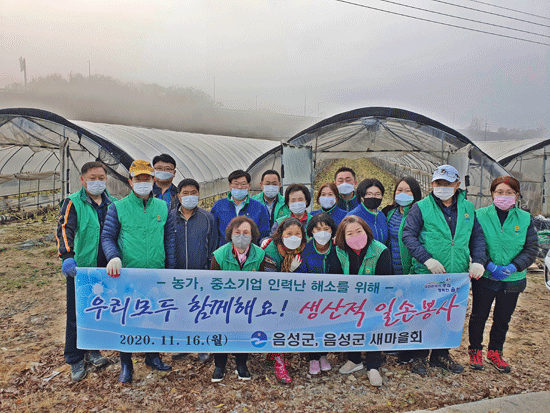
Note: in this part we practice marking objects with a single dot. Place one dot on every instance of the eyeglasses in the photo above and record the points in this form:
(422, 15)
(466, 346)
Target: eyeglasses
(171, 170)
(373, 195)
(450, 174)
(505, 193)
(238, 185)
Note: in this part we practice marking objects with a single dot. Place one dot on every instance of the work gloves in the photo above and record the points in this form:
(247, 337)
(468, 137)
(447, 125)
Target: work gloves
(500, 272)
(114, 266)
(435, 266)
(476, 270)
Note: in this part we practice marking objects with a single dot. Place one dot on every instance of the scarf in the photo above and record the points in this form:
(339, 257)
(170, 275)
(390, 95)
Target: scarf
(288, 255)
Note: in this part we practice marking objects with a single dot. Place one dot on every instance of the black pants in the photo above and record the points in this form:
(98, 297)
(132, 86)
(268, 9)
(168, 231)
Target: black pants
(220, 359)
(72, 354)
(316, 356)
(422, 354)
(373, 359)
(505, 304)
(126, 358)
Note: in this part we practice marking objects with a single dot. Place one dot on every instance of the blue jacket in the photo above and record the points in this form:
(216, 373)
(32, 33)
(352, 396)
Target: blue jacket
(335, 212)
(316, 263)
(196, 239)
(224, 211)
(348, 205)
(111, 231)
(173, 191)
(377, 223)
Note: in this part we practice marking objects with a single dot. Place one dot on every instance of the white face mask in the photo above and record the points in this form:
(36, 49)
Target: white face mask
(271, 191)
(322, 237)
(189, 201)
(327, 202)
(143, 188)
(444, 192)
(163, 175)
(96, 187)
(292, 242)
(345, 188)
(297, 208)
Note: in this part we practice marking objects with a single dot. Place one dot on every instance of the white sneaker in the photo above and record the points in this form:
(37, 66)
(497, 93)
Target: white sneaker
(350, 367)
(374, 377)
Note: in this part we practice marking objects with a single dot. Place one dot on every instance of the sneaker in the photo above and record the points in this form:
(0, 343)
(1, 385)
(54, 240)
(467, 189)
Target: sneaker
(374, 377)
(495, 357)
(242, 372)
(446, 362)
(419, 366)
(96, 359)
(476, 359)
(314, 367)
(325, 365)
(78, 370)
(219, 374)
(403, 358)
(350, 367)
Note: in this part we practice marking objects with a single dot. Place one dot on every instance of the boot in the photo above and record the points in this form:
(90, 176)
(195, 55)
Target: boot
(126, 371)
(280, 370)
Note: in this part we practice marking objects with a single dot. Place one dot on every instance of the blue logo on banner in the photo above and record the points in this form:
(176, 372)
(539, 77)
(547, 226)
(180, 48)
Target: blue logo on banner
(258, 339)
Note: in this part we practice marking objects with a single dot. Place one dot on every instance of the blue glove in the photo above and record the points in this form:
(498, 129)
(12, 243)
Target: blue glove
(69, 267)
(501, 272)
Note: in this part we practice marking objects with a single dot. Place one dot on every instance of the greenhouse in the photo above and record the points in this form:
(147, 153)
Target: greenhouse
(41, 154)
(527, 160)
(399, 141)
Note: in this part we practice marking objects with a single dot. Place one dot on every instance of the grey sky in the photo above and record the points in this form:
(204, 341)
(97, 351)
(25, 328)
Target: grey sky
(331, 55)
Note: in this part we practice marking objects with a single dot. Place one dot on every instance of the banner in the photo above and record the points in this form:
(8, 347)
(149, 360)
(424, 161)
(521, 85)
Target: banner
(199, 311)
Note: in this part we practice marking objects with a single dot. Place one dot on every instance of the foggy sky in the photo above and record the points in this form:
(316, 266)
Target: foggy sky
(284, 53)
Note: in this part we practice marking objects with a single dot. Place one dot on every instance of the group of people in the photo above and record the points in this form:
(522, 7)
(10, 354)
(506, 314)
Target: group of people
(159, 225)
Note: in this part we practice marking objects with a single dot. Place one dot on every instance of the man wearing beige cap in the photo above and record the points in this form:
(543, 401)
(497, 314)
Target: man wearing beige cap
(148, 241)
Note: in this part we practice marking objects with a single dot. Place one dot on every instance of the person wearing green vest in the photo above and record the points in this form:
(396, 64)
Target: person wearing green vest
(441, 233)
(406, 192)
(283, 250)
(360, 254)
(270, 196)
(240, 253)
(138, 234)
(298, 199)
(79, 226)
(512, 246)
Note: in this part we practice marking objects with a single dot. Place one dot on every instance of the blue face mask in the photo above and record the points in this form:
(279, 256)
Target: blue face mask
(189, 201)
(404, 199)
(239, 193)
(271, 190)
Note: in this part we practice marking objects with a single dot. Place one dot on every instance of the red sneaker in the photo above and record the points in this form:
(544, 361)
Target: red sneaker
(280, 370)
(495, 357)
(476, 359)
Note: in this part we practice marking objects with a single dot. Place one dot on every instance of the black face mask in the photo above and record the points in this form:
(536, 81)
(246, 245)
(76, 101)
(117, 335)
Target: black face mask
(372, 203)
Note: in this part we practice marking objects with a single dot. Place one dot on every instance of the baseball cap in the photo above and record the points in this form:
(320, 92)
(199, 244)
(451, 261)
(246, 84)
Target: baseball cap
(446, 172)
(141, 167)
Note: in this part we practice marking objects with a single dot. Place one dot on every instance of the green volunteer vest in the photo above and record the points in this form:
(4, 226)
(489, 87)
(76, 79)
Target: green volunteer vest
(435, 236)
(504, 242)
(227, 261)
(141, 238)
(368, 266)
(405, 255)
(86, 236)
(280, 208)
(273, 252)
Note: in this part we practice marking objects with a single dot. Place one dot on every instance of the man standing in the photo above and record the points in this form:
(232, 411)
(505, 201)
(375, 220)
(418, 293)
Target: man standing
(138, 234)
(442, 232)
(271, 197)
(196, 235)
(80, 224)
(163, 188)
(238, 203)
(345, 180)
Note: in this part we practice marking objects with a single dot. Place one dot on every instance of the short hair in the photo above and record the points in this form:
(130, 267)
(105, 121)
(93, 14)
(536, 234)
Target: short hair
(271, 172)
(321, 218)
(164, 157)
(288, 222)
(413, 184)
(366, 184)
(344, 169)
(236, 222)
(295, 188)
(188, 182)
(332, 187)
(340, 238)
(91, 165)
(239, 173)
(508, 180)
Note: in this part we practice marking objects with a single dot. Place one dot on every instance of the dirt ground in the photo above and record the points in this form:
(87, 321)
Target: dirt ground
(34, 377)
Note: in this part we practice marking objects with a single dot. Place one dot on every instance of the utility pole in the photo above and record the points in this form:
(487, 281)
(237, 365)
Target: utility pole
(89, 69)
(486, 124)
(23, 67)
